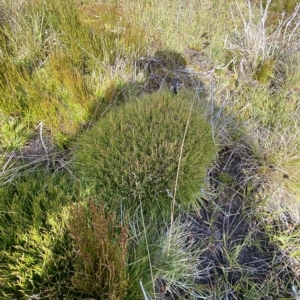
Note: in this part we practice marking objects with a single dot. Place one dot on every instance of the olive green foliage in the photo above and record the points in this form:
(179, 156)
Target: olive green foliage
(53, 54)
(66, 64)
(279, 6)
(101, 248)
(265, 71)
(36, 252)
(13, 133)
(172, 59)
(135, 154)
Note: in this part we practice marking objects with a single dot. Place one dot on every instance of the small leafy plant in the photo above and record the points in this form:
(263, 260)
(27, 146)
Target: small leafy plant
(36, 253)
(101, 247)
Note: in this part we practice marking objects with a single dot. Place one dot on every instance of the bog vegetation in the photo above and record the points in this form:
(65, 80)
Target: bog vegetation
(112, 186)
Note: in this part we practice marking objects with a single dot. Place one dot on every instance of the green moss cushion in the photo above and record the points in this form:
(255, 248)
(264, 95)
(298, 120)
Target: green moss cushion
(131, 157)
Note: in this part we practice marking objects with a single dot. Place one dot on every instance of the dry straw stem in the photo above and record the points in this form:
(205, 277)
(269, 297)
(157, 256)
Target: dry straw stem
(179, 164)
(255, 42)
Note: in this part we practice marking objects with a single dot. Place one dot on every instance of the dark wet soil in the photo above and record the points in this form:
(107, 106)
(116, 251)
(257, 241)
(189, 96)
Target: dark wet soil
(236, 253)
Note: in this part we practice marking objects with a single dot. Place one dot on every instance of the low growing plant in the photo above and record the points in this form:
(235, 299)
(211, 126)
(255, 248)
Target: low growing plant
(40, 262)
(101, 248)
(36, 253)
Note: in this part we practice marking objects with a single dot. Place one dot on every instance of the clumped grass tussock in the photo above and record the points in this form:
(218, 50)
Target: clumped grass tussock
(101, 252)
(134, 154)
(163, 261)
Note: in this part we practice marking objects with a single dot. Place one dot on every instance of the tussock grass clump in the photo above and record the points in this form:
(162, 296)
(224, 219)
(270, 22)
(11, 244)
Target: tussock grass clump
(163, 264)
(147, 151)
(279, 158)
(101, 246)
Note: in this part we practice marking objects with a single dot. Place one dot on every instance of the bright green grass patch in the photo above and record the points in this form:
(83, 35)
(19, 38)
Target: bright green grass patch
(146, 152)
(41, 262)
(13, 134)
(36, 251)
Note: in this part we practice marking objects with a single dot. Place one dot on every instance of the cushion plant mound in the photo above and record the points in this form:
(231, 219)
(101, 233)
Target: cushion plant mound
(131, 156)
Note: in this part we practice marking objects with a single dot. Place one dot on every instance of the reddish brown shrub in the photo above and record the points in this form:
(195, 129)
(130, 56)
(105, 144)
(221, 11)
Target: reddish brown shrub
(100, 246)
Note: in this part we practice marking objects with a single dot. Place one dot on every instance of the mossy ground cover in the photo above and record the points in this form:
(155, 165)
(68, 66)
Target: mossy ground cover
(36, 251)
(174, 221)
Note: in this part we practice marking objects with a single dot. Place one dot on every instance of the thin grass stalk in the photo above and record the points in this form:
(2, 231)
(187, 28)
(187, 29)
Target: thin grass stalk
(143, 290)
(178, 170)
(147, 245)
